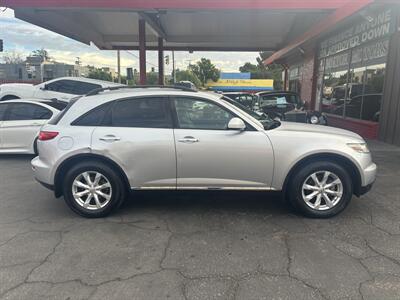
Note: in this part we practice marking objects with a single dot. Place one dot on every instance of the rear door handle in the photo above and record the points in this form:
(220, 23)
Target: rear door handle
(188, 140)
(110, 138)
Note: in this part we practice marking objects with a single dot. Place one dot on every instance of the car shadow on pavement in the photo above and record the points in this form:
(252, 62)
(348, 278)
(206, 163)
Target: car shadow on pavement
(228, 201)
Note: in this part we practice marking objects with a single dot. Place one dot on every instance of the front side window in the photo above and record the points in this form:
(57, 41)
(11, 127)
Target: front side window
(26, 111)
(142, 112)
(199, 114)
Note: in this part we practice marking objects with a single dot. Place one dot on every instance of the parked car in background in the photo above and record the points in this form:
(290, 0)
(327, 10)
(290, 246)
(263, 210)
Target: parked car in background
(107, 144)
(364, 107)
(20, 123)
(287, 106)
(246, 99)
(64, 88)
(186, 84)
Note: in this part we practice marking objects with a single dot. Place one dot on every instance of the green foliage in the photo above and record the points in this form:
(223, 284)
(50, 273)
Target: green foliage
(186, 75)
(41, 53)
(100, 74)
(260, 71)
(204, 71)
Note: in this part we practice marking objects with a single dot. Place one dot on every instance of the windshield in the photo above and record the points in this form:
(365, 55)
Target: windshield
(263, 118)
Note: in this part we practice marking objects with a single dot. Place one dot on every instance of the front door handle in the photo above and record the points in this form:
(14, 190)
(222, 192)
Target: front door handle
(188, 140)
(110, 138)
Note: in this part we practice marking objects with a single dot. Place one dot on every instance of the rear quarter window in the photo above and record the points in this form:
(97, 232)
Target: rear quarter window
(95, 117)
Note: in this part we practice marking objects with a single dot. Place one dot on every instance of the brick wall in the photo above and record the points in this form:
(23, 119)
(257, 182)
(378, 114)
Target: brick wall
(306, 78)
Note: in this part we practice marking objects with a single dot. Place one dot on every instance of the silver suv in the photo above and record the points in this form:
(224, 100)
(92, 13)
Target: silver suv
(111, 142)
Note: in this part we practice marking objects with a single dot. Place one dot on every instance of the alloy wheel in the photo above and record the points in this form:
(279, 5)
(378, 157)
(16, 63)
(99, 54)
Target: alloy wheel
(322, 190)
(92, 190)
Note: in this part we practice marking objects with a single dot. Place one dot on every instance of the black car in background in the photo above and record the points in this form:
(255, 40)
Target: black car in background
(287, 106)
(246, 99)
(280, 105)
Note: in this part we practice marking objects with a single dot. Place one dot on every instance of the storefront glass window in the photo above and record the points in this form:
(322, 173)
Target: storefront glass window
(355, 89)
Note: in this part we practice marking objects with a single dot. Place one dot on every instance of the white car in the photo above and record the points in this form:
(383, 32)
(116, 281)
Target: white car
(20, 123)
(64, 88)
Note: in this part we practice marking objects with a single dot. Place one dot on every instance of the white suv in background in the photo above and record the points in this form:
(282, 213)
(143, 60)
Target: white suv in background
(109, 143)
(64, 88)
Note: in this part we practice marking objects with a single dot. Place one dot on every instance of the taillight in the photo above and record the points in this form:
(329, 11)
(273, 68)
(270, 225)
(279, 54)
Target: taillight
(47, 135)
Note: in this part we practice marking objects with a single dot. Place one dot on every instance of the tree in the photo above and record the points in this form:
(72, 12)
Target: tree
(12, 57)
(100, 74)
(186, 75)
(261, 71)
(205, 70)
(249, 68)
(44, 54)
(152, 78)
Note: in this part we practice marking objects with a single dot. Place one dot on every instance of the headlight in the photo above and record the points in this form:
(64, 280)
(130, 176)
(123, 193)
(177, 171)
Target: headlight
(359, 147)
(314, 119)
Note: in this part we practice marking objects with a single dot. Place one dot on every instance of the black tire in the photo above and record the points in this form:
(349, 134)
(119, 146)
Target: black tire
(117, 185)
(295, 195)
(9, 97)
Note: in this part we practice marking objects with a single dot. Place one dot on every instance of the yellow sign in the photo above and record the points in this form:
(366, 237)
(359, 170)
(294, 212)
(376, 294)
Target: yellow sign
(264, 83)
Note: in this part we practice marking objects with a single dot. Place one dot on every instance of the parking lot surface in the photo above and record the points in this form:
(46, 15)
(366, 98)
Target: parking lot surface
(198, 245)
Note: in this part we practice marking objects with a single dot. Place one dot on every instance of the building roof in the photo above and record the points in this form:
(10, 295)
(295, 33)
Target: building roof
(212, 25)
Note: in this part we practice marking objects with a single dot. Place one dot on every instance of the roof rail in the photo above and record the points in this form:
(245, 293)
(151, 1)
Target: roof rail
(114, 88)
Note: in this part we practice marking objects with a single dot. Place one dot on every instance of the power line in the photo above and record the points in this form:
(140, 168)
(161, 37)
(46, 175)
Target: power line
(139, 58)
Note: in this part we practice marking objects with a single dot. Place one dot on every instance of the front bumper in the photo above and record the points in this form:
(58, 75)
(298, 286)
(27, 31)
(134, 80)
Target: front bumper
(369, 174)
(368, 180)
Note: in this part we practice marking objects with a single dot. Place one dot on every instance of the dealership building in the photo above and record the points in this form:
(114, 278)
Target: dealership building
(342, 56)
(351, 72)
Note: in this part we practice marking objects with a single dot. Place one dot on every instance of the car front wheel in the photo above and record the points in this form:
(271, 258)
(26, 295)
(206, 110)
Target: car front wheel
(321, 189)
(93, 189)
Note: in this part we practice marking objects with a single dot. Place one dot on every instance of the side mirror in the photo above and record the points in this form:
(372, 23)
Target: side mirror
(236, 124)
(43, 87)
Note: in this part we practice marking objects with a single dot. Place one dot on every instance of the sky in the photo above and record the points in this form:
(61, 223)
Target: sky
(23, 37)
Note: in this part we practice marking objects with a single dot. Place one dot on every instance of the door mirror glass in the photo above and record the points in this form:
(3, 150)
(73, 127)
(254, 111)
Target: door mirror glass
(236, 124)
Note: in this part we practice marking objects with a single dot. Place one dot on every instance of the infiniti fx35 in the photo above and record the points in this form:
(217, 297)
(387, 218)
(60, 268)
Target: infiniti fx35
(110, 142)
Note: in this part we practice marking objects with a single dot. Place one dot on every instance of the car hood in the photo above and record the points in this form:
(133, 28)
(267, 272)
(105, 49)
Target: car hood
(300, 127)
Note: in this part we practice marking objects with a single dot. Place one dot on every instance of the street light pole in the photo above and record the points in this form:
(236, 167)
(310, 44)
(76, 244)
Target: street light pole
(119, 65)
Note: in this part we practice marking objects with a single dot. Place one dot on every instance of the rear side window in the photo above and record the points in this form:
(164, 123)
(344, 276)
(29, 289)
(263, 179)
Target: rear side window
(58, 117)
(3, 108)
(82, 88)
(25, 111)
(57, 105)
(94, 117)
(142, 112)
(73, 87)
(62, 86)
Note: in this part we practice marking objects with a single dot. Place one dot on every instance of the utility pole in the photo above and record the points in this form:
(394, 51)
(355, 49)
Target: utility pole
(119, 65)
(173, 66)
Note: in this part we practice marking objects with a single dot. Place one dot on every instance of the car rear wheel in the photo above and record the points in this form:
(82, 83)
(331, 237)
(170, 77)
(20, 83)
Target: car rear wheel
(321, 189)
(93, 189)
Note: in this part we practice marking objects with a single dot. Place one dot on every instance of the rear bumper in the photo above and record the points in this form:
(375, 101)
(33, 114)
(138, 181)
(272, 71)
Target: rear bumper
(42, 172)
(47, 186)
